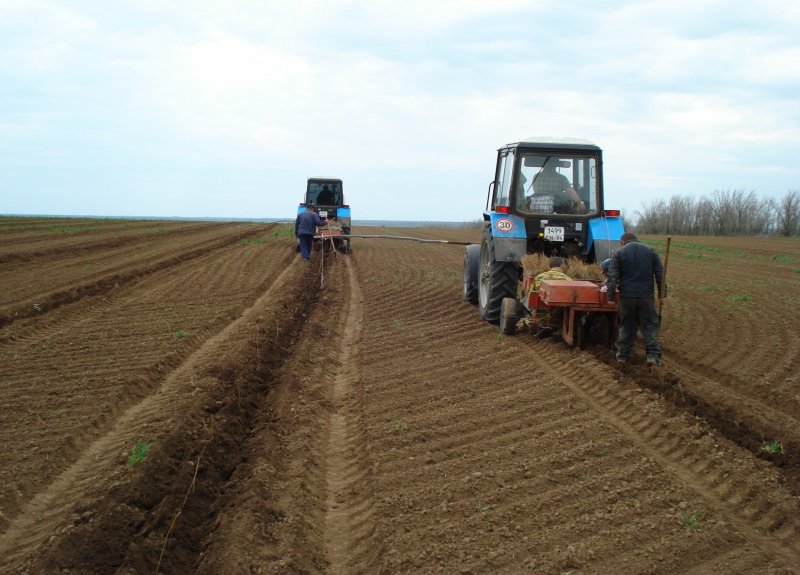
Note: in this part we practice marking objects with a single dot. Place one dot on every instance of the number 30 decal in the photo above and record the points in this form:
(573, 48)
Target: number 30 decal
(505, 225)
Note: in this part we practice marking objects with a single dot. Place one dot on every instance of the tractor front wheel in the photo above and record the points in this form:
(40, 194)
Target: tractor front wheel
(470, 279)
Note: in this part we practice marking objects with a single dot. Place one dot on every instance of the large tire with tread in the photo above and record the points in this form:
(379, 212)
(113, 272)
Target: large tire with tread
(496, 280)
(472, 257)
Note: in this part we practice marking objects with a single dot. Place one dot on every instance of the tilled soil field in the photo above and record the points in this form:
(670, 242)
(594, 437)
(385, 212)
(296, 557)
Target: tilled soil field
(184, 397)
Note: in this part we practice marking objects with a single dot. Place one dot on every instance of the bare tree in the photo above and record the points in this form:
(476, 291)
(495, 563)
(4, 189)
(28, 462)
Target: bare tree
(727, 212)
(788, 214)
(721, 213)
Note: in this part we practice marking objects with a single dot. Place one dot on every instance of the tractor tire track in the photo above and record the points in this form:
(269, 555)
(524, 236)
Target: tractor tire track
(349, 546)
(465, 435)
(765, 517)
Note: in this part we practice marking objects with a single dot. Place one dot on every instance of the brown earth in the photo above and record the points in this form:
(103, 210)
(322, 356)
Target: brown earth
(355, 415)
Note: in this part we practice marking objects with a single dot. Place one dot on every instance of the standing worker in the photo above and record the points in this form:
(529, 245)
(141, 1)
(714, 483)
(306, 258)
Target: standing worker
(305, 227)
(634, 268)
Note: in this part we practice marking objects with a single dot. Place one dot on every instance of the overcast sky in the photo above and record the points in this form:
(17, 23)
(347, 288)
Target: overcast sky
(224, 108)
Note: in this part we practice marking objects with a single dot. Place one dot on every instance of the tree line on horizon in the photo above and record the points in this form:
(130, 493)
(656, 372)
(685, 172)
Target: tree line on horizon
(725, 213)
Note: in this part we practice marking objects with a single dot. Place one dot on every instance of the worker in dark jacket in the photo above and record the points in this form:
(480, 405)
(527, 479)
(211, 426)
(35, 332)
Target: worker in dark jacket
(305, 227)
(634, 268)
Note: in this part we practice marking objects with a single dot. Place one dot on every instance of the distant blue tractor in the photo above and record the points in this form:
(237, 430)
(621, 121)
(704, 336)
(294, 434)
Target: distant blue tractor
(326, 196)
(546, 197)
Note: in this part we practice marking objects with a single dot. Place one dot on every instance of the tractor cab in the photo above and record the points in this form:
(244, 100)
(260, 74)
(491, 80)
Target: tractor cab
(326, 196)
(549, 193)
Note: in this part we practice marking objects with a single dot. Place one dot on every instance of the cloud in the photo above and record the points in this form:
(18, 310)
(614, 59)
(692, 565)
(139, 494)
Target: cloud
(257, 96)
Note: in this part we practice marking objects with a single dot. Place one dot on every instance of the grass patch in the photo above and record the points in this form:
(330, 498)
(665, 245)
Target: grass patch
(783, 258)
(691, 522)
(138, 453)
(694, 256)
(706, 288)
(179, 335)
(283, 232)
(252, 242)
(744, 298)
(773, 447)
(58, 413)
(698, 247)
(71, 228)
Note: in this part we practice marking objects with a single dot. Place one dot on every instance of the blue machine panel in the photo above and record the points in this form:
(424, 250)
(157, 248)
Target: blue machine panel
(506, 225)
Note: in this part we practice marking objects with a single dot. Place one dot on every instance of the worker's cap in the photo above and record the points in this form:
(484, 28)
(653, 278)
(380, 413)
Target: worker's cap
(604, 267)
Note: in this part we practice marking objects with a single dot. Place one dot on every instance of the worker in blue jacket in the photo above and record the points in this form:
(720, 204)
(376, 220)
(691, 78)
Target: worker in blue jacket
(305, 228)
(635, 268)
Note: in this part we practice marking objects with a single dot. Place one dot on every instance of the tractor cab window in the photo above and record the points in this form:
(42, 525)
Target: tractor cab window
(325, 193)
(556, 184)
(505, 168)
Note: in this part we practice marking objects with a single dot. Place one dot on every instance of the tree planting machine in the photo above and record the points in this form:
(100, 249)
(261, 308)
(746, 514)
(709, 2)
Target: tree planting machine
(546, 198)
(326, 196)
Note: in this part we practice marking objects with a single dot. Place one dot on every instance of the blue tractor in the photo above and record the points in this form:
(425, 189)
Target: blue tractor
(546, 197)
(326, 195)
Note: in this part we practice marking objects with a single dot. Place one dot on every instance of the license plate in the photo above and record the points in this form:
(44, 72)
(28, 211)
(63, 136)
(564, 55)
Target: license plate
(323, 213)
(554, 234)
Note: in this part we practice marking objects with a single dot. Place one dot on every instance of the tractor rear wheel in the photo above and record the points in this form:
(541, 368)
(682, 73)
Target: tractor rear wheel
(471, 265)
(496, 280)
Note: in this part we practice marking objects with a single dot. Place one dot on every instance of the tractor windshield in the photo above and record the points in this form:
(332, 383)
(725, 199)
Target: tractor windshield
(324, 193)
(556, 184)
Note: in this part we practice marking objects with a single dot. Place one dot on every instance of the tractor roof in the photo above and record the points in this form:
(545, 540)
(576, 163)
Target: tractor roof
(549, 142)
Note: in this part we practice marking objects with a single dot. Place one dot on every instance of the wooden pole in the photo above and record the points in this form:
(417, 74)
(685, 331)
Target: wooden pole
(662, 289)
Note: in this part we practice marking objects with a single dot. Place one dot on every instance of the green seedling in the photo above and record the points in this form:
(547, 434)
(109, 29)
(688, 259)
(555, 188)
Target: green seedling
(774, 447)
(602, 453)
(58, 413)
(399, 427)
(691, 522)
(500, 337)
(179, 335)
(483, 507)
(138, 453)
